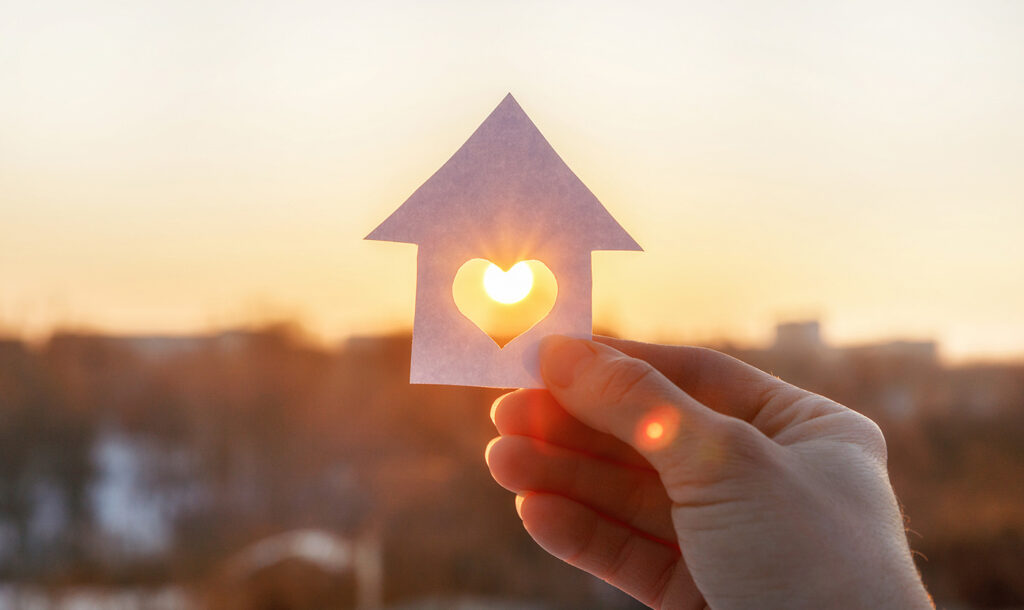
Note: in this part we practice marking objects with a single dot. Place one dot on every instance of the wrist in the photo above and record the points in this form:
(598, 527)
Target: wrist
(887, 586)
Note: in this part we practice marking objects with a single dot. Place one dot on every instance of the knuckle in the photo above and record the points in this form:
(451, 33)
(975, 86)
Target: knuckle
(622, 378)
(635, 502)
(620, 558)
(872, 438)
(738, 441)
(729, 450)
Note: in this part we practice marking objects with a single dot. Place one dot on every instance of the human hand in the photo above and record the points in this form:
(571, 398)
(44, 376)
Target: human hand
(686, 478)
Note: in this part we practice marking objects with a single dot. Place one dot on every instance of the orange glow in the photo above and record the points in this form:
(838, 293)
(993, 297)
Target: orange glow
(654, 430)
(658, 429)
(256, 212)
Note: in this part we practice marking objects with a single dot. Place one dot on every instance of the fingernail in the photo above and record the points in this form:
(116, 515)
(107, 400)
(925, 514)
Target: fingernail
(561, 358)
(519, 505)
(494, 407)
(487, 451)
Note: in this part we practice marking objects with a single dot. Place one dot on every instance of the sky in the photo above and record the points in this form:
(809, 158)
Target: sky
(176, 167)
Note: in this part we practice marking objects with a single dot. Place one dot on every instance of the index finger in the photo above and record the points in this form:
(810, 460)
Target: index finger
(717, 380)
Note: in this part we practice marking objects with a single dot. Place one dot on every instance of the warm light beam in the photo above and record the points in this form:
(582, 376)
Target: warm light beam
(509, 286)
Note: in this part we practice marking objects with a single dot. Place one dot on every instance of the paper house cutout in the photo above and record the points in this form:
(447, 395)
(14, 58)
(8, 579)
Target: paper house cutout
(505, 196)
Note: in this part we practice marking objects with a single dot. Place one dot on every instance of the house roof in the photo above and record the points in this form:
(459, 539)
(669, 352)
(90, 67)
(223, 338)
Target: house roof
(505, 192)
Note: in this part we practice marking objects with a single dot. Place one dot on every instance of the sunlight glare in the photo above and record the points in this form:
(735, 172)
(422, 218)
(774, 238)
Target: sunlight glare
(509, 286)
(658, 428)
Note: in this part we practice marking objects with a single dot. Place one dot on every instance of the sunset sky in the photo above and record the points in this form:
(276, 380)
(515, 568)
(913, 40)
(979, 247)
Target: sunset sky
(183, 166)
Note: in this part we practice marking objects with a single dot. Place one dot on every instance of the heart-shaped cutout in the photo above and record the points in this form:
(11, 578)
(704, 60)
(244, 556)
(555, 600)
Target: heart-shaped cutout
(504, 303)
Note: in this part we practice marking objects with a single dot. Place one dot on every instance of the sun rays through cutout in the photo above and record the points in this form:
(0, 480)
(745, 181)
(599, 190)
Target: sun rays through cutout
(504, 304)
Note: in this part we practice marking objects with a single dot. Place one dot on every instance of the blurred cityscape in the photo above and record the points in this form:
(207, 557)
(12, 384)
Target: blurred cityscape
(254, 469)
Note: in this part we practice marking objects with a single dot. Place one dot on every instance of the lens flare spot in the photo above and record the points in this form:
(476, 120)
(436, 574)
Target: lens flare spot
(654, 430)
(509, 286)
(658, 428)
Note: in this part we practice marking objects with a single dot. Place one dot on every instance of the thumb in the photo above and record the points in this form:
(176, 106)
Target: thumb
(631, 400)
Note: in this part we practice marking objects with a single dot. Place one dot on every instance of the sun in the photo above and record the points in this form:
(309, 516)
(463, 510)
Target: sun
(509, 286)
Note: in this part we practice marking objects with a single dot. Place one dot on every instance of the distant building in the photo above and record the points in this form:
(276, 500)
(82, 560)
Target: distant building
(802, 336)
(925, 352)
(306, 568)
(162, 347)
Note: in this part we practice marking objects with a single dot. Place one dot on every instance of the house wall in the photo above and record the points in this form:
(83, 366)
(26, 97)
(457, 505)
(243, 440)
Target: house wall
(448, 348)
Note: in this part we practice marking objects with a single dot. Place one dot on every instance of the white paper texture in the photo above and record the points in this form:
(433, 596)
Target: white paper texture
(504, 196)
